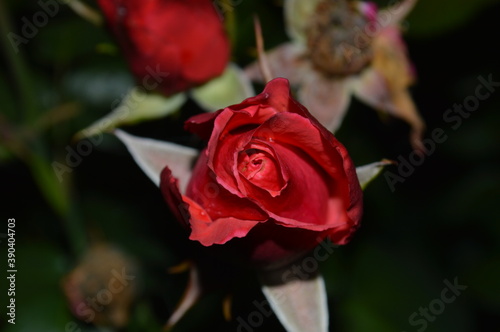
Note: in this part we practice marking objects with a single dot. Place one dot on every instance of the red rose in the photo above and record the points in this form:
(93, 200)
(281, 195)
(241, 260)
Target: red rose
(270, 175)
(170, 45)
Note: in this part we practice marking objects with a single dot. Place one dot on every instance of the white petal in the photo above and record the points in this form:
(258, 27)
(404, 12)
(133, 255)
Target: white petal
(369, 172)
(152, 156)
(327, 99)
(371, 88)
(137, 106)
(230, 88)
(300, 305)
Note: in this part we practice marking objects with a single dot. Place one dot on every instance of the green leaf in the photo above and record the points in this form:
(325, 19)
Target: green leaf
(230, 88)
(137, 106)
(5, 154)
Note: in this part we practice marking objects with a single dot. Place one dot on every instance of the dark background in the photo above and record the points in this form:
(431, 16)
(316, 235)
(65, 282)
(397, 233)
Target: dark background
(440, 224)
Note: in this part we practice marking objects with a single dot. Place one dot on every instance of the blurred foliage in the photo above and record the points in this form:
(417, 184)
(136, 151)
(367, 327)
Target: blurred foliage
(441, 223)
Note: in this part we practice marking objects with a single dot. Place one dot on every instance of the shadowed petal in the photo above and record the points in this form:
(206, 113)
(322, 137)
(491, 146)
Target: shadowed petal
(327, 99)
(204, 229)
(219, 231)
(191, 295)
(374, 90)
(406, 110)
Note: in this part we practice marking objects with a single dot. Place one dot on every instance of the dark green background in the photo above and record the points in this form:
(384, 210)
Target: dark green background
(441, 223)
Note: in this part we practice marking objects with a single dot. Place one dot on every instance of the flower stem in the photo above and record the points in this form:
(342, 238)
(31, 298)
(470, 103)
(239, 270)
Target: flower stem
(19, 71)
(35, 150)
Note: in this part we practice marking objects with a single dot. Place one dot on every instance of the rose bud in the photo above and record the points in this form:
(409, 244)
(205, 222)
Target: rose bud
(170, 45)
(271, 184)
(102, 288)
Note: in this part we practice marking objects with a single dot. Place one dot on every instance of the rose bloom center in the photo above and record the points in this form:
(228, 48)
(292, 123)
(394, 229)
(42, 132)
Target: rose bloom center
(260, 168)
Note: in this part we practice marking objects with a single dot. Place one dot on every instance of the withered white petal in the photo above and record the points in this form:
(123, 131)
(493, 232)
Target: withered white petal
(152, 156)
(300, 305)
(367, 173)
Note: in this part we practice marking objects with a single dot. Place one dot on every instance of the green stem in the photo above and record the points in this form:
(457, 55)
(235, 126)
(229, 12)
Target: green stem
(16, 62)
(58, 197)
(54, 192)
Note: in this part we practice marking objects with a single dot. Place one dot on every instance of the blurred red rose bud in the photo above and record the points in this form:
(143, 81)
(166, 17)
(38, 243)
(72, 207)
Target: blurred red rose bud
(170, 45)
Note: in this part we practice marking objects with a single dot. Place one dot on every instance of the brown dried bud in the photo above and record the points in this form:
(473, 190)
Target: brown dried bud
(336, 40)
(101, 289)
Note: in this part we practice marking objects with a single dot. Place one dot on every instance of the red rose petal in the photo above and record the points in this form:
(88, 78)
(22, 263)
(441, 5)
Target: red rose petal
(170, 189)
(219, 231)
(203, 228)
(205, 190)
(289, 129)
(262, 169)
(170, 45)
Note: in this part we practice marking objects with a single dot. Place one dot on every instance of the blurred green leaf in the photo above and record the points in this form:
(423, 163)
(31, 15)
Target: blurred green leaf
(137, 106)
(232, 87)
(484, 280)
(389, 286)
(7, 109)
(429, 18)
(67, 40)
(50, 186)
(5, 154)
(100, 85)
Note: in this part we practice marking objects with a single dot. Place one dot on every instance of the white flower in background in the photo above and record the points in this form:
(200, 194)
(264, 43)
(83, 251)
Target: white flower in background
(342, 48)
